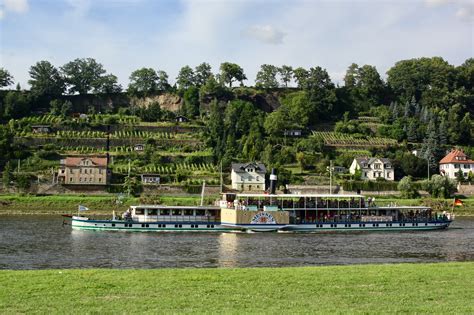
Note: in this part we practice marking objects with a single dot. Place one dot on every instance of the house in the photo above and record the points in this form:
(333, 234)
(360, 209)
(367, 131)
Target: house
(139, 147)
(453, 162)
(248, 176)
(181, 118)
(373, 168)
(293, 133)
(84, 170)
(150, 179)
(41, 129)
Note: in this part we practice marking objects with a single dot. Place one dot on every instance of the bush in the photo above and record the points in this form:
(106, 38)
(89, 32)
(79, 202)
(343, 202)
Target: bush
(407, 188)
(440, 186)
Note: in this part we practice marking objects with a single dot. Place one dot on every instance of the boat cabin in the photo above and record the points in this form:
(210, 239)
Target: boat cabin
(153, 213)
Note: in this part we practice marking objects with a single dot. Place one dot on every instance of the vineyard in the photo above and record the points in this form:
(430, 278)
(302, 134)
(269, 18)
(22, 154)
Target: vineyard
(346, 140)
(169, 169)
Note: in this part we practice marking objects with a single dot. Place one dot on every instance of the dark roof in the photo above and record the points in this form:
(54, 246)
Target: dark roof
(371, 160)
(240, 167)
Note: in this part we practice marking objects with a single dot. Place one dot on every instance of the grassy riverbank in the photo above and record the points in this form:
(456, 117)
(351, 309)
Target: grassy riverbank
(59, 204)
(445, 288)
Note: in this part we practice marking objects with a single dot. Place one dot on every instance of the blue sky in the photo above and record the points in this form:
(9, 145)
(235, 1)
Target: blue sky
(125, 35)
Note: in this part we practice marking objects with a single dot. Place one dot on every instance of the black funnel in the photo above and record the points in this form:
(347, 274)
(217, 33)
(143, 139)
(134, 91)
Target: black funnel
(273, 181)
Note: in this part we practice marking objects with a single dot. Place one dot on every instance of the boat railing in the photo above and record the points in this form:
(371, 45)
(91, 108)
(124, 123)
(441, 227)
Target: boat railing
(366, 219)
(175, 218)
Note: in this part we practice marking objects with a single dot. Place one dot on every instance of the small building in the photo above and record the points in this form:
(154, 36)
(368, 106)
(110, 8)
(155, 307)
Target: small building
(293, 133)
(139, 147)
(338, 169)
(453, 162)
(152, 179)
(248, 176)
(373, 168)
(84, 170)
(181, 118)
(41, 129)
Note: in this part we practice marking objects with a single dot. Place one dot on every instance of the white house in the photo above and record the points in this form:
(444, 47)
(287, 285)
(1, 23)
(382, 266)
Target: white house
(453, 162)
(373, 168)
(248, 176)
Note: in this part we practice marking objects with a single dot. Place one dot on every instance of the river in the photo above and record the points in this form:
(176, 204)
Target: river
(42, 242)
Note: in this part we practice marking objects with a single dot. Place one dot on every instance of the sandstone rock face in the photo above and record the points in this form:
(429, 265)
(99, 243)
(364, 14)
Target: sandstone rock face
(167, 101)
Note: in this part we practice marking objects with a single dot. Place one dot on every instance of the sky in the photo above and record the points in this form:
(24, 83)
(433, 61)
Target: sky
(125, 35)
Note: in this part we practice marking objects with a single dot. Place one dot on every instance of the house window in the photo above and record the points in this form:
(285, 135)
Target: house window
(100, 179)
(70, 179)
(377, 166)
(466, 166)
(456, 165)
(258, 178)
(388, 174)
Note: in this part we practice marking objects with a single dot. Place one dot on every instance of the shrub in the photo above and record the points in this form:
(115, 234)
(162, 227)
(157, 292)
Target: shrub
(407, 188)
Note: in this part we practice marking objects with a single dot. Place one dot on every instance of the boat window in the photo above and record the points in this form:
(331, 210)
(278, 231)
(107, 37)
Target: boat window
(176, 212)
(139, 211)
(165, 212)
(113, 224)
(200, 212)
(152, 211)
(188, 212)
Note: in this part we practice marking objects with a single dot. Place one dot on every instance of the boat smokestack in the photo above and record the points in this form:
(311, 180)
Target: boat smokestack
(273, 181)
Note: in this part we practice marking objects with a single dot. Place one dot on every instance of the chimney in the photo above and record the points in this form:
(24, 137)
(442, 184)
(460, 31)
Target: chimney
(273, 181)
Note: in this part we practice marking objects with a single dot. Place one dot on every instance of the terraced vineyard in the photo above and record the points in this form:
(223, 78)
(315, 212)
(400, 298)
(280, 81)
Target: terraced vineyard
(170, 169)
(334, 139)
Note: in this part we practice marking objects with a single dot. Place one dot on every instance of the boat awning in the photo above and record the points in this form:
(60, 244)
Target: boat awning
(289, 196)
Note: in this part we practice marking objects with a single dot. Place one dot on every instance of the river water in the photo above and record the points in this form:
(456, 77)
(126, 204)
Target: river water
(42, 242)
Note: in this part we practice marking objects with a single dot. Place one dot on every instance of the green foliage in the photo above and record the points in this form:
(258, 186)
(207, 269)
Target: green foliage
(202, 73)
(144, 80)
(83, 75)
(407, 188)
(355, 185)
(46, 80)
(230, 72)
(366, 88)
(7, 175)
(286, 74)
(132, 186)
(16, 105)
(191, 102)
(266, 77)
(440, 186)
(23, 181)
(6, 78)
(185, 78)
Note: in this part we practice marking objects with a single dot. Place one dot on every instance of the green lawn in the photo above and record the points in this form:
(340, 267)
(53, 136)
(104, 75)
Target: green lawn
(445, 288)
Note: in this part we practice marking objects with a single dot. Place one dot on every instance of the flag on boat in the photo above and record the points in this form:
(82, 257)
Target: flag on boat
(458, 202)
(83, 208)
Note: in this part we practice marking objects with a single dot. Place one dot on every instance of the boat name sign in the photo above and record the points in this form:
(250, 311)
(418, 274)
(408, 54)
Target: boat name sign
(263, 218)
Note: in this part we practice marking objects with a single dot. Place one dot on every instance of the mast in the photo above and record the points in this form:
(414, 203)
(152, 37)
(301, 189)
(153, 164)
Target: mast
(202, 192)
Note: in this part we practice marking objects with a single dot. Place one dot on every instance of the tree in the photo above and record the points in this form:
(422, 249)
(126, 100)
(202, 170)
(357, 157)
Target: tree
(366, 88)
(66, 108)
(162, 84)
(107, 84)
(407, 188)
(131, 185)
(440, 186)
(230, 72)
(429, 80)
(466, 128)
(6, 78)
(202, 73)
(23, 182)
(16, 105)
(191, 101)
(286, 74)
(300, 75)
(215, 131)
(321, 93)
(82, 75)
(143, 80)
(266, 77)
(7, 175)
(460, 176)
(301, 158)
(185, 78)
(46, 80)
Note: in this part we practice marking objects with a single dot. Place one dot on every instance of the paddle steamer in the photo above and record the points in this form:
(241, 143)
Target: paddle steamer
(274, 212)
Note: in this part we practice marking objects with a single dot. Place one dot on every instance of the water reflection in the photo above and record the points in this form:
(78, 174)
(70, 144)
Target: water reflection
(28, 242)
(228, 249)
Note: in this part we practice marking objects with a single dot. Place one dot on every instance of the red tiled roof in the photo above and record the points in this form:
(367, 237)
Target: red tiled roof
(456, 156)
(75, 161)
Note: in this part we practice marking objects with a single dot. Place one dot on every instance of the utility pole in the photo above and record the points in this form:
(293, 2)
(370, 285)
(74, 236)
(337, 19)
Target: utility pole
(428, 159)
(330, 177)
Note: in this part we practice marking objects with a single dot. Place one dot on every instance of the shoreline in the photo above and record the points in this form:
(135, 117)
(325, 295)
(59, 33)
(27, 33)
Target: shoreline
(440, 288)
(104, 205)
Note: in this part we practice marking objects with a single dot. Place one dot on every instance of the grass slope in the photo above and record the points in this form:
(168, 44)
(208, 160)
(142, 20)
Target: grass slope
(405, 288)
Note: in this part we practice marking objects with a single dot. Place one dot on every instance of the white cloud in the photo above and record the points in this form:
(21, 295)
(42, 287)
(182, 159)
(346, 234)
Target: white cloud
(466, 12)
(264, 33)
(436, 3)
(18, 6)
